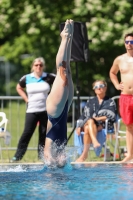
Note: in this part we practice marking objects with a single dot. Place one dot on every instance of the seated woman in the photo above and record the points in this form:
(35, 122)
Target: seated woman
(92, 122)
(59, 101)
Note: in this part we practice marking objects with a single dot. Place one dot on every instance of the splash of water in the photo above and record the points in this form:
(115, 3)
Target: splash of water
(60, 155)
(17, 168)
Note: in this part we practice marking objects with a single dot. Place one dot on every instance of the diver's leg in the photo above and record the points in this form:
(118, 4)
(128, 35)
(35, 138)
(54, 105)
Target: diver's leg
(60, 90)
(70, 82)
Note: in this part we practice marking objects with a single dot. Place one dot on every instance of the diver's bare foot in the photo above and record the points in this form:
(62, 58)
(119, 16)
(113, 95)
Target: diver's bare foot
(66, 33)
(72, 26)
(127, 158)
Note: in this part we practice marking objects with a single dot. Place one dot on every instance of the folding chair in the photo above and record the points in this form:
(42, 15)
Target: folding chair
(120, 134)
(3, 131)
(78, 140)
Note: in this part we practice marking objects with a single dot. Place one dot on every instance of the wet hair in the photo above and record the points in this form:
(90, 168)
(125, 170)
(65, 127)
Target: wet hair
(128, 34)
(104, 82)
(40, 59)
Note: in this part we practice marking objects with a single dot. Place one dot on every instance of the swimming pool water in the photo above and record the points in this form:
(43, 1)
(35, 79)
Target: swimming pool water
(88, 182)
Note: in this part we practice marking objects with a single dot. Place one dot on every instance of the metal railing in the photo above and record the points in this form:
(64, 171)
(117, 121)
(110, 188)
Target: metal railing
(15, 109)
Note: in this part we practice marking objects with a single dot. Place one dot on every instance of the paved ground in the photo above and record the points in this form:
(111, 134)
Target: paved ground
(101, 162)
(72, 163)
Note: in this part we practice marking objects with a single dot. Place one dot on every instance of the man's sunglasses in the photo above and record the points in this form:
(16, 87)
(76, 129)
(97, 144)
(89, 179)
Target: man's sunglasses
(99, 86)
(127, 41)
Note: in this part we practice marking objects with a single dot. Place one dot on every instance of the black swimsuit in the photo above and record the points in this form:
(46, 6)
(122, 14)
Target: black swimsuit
(58, 132)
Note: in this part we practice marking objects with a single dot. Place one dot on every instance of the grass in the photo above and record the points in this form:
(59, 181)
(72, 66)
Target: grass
(15, 111)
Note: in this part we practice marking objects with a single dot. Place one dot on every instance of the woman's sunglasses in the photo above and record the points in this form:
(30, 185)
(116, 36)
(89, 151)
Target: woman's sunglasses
(127, 41)
(39, 65)
(99, 86)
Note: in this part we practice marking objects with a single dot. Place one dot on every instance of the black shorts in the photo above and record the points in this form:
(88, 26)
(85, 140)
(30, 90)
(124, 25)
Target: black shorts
(98, 123)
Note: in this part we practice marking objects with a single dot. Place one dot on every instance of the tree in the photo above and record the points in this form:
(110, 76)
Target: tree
(107, 23)
(29, 29)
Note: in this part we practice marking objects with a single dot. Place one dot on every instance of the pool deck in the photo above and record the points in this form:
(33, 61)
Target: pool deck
(21, 163)
(99, 163)
(72, 163)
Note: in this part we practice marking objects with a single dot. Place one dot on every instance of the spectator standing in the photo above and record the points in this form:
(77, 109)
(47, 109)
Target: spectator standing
(37, 85)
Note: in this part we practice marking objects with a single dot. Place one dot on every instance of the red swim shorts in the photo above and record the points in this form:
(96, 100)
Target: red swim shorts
(126, 108)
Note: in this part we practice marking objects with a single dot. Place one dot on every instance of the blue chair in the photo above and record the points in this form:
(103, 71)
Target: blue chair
(78, 141)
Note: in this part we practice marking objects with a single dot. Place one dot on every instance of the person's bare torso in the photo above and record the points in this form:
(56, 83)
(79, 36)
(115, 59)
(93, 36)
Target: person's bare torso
(126, 71)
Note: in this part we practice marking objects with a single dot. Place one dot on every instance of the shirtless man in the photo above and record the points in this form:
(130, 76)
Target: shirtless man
(59, 101)
(124, 64)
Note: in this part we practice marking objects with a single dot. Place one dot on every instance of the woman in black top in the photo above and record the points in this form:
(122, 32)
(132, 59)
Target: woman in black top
(98, 108)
